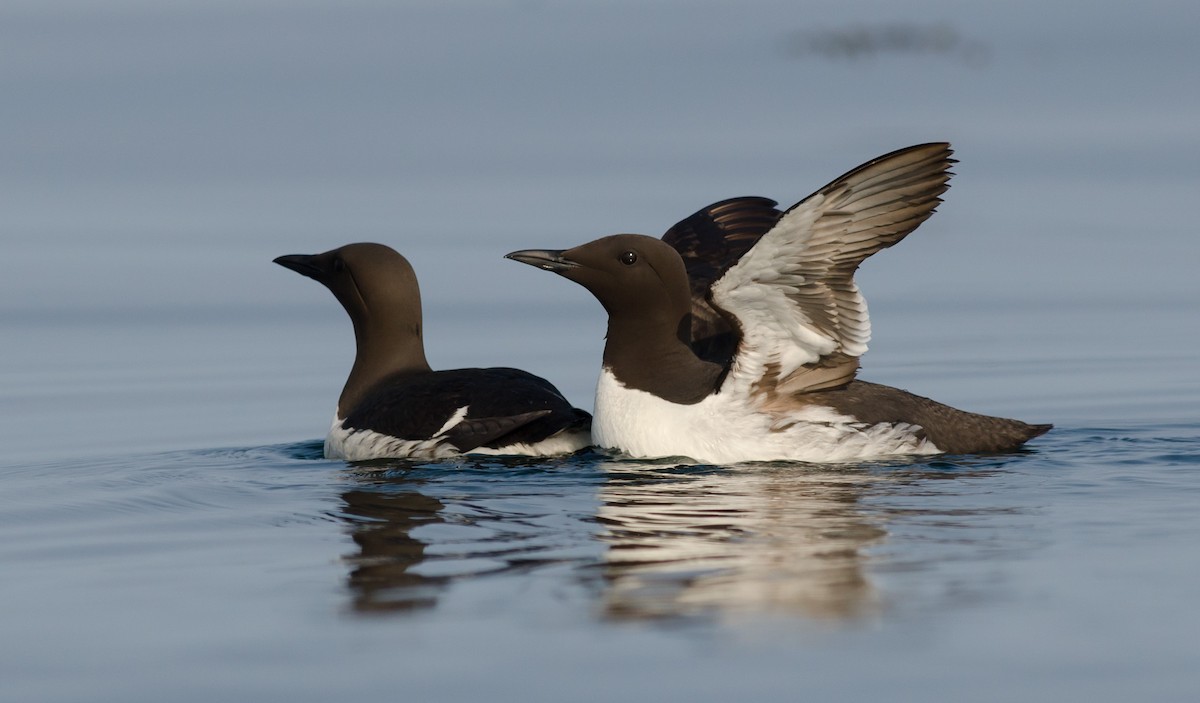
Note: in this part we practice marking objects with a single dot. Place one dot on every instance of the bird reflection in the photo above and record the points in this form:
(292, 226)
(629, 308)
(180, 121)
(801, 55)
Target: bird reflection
(693, 541)
(647, 540)
(381, 577)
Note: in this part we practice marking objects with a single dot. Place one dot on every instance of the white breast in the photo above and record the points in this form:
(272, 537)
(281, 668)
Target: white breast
(724, 428)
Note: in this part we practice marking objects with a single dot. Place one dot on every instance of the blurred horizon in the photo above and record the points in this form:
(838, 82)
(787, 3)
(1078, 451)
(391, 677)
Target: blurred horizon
(157, 157)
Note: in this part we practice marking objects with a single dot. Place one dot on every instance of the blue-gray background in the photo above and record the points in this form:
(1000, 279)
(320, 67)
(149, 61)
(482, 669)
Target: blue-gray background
(154, 157)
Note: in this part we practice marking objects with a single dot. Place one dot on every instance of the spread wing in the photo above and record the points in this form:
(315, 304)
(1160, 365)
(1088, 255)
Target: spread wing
(802, 319)
(710, 241)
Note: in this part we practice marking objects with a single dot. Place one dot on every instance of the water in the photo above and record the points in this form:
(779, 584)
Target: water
(169, 530)
(271, 573)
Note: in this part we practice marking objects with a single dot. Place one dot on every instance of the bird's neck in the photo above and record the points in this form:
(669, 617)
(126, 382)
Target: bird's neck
(653, 354)
(383, 350)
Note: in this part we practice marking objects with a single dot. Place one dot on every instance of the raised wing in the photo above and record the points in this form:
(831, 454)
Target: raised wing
(710, 241)
(803, 321)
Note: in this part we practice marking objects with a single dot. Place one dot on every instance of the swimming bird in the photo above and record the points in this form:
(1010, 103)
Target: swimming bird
(394, 405)
(754, 355)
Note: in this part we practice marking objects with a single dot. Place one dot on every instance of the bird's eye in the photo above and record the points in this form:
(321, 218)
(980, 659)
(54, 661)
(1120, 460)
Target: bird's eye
(338, 265)
(629, 258)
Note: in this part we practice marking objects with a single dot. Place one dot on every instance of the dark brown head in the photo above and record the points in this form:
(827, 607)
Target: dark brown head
(378, 289)
(642, 283)
(369, 280)
(630, 274)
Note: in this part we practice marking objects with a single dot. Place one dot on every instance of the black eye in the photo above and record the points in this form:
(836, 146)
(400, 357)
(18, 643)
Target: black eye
(338, 265)
(629, 258)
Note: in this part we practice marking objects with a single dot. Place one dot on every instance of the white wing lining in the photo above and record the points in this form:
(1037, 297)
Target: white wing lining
(793, 293)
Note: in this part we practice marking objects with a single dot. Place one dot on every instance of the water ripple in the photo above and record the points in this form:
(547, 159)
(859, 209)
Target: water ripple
(647, 539)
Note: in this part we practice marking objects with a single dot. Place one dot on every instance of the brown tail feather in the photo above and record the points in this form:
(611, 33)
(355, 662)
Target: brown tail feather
(953, 431)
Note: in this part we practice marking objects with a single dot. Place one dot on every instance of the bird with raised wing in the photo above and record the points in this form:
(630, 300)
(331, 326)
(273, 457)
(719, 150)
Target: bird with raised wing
(737, 336)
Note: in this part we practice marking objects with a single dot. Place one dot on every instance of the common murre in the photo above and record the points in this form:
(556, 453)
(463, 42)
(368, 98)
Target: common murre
(754, 356)
(394, 405)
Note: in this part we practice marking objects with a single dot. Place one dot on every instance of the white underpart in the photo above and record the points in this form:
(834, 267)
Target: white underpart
(562, 442)
(729, 427)
(362, 445)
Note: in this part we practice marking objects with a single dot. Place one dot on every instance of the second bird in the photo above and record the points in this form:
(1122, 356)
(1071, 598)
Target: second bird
(394, 405)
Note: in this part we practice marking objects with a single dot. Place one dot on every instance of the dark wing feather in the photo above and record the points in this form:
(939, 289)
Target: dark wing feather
(710, 241)
(505, 406)
(478, 431)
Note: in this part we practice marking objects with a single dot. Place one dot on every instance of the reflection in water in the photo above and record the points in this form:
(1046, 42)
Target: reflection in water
(721, 541)
(649, 540)
(382, 576)
(420, 527)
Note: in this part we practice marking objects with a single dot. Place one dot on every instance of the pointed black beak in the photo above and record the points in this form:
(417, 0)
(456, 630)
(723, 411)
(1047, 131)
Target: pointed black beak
(548, 259)
(302, 264)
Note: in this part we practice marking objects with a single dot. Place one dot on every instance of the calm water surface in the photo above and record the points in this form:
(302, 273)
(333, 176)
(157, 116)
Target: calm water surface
(270, 572)
(169, 530)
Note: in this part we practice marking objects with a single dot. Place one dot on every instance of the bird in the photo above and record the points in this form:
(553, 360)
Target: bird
(394, 405)
(737, 336)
